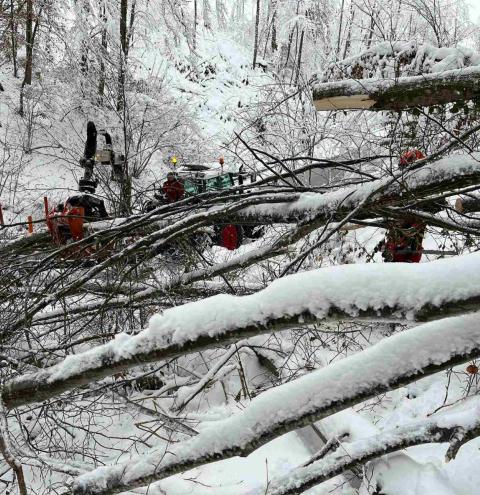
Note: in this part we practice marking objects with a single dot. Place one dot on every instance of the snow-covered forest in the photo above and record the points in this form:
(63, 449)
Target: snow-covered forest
(238, 247)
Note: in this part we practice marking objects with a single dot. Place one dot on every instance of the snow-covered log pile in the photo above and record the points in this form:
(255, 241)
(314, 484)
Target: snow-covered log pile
(395, 76)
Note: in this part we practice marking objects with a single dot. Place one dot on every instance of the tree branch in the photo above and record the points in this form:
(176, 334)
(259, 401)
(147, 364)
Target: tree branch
(388, 365)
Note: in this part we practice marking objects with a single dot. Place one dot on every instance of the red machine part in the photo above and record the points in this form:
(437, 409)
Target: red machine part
(410, 156)
(75, 218)
(65, 225)
(404, 242)
(230, 236)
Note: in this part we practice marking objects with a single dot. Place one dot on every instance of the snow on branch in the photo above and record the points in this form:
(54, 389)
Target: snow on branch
(393, 59)
(399, 75)
(455, 429)
(399, 93)
(420, 293)
(310, 210)
(446, 174)
(392, 363)
(148, 245)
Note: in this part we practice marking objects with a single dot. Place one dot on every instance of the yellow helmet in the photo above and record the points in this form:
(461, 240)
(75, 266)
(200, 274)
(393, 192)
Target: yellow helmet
(174, 160)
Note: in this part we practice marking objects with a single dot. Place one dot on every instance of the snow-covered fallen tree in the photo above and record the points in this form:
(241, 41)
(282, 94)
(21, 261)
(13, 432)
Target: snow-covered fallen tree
(421, 293)
(390, 59)
(89, 378)
(392, 363)
(399, 75)
(398, 93)
(421, 181)
(310, 210)
(453, 429)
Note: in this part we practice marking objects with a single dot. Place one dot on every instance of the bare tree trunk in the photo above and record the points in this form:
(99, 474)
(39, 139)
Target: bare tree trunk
(337, 52)
(207, 12)
(371, 28)
(397, 17)
(268, 28)
(290, 42)
(299, 63)
(289, 47)
(30, 33)
(123, 54)
(255, 46)
(220, 8)
(126, 34)
(84, 11)
(195, 21)
(274, 44)
(349, 32)
(13, 35)
(101, 84)
(130, 27)
(29, 44)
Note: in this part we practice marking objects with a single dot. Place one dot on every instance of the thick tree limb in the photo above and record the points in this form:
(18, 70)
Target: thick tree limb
(468, 204)
(142, 224)
(400, 93)
(443, 175)
(350, 455)
(390, 364)
(312, 210)
(347, 292)
(147, 246)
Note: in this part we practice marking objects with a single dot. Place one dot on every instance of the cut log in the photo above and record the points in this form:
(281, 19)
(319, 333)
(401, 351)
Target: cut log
(467, 204)
(398, 94)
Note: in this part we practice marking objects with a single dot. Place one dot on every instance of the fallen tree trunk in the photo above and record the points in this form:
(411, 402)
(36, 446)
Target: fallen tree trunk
(442, 175)
(398, 93)
(348, 292)
(351, 455)
(141, 224)
(467, 204)
(309, 210)
(447, 174)
(390, 364)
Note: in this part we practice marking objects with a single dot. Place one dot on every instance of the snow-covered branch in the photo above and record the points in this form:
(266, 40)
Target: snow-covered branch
(390, 364)
(311, 209)
(398, 93)
(421, 292)
(455, 430)
(442, 175)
